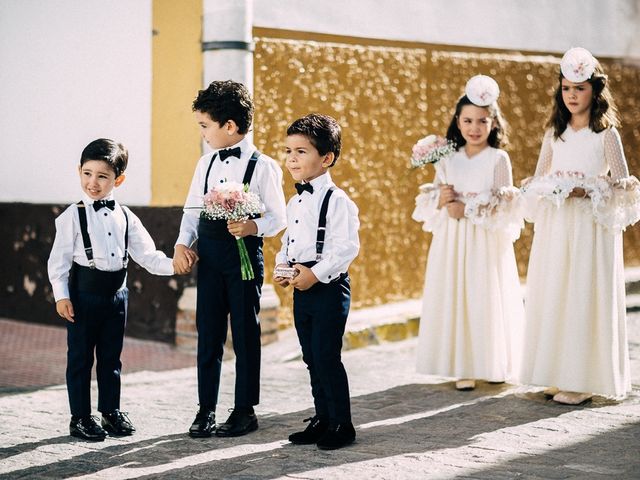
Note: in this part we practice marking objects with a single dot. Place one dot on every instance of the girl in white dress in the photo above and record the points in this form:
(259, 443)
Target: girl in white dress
(472, 310)
(580, 200)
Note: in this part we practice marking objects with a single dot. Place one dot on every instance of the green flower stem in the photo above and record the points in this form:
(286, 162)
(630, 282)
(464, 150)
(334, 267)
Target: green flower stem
(246, 270)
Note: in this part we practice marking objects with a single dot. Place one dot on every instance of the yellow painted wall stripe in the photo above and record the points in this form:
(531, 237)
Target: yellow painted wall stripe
(177, 77)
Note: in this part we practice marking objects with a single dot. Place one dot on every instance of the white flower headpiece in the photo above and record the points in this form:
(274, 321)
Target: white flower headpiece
(482, 90)
(577, 65)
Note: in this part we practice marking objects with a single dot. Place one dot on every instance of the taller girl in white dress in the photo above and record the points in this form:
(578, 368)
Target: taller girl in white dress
(581, 198)
(472, 310)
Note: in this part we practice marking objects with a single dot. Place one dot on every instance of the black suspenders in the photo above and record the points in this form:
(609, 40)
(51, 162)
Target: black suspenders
(248, 174)
(86, 240)
(322, 224)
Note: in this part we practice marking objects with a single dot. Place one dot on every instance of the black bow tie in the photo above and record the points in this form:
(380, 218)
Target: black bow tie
(301, 187)
(229, 152)
(98, 204)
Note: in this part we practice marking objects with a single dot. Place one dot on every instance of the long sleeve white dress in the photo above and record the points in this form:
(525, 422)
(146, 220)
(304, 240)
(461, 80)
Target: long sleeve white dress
(575, 303)
(472, 312)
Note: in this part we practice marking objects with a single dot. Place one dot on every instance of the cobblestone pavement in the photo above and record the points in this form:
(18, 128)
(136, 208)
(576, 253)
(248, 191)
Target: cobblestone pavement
(409, 426)
(34, 356)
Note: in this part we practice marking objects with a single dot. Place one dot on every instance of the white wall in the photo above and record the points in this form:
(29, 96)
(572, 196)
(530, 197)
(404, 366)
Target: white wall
(72, 71)
(606, 27)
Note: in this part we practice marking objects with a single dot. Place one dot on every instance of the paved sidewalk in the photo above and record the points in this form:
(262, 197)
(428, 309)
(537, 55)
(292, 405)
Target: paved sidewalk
(34, 356)
(409, 426)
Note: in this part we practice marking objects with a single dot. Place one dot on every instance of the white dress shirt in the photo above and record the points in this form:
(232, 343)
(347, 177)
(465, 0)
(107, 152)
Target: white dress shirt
(341, 242)
(266, 182)
(106, 229)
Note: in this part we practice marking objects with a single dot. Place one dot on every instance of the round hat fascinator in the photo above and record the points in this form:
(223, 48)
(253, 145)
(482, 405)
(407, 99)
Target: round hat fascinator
(577, 65)
(482, 90)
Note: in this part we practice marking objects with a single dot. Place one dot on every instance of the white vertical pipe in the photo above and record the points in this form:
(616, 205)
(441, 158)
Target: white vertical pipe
(227, 41)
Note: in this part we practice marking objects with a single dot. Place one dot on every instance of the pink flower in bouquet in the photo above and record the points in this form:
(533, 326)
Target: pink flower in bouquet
(233, 201)
(430, 149)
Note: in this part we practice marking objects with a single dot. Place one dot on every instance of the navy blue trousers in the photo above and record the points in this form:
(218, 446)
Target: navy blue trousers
(320, 315)
(221, 294)
(98, 327)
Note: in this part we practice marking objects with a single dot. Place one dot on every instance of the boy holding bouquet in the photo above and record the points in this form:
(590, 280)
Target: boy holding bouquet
(224, 111)
(320, 243)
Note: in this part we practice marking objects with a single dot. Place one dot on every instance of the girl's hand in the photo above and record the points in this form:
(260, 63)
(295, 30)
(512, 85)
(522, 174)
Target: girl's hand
(65, 309)
(305, 279)
(447, 195)
(579, 192)
(242, 228)
(455, 210)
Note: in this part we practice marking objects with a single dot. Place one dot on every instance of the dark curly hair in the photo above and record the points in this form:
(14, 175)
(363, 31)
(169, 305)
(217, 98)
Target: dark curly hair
(603, 114)
(106, 150)
(323, 132)
(497, 136)
(226, 100)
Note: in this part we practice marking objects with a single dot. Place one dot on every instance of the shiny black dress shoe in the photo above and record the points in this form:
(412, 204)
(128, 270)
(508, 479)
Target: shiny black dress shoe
(117, 424)
(240, 422)
(314, 431)
(337, 436)
(204, 424)
(86, 428)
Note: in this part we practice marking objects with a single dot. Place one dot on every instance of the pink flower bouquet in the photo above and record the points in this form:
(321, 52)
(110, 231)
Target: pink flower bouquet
(430, 149)
(233, 201)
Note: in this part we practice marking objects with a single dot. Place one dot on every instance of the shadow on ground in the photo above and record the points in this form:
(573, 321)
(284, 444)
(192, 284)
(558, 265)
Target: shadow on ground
(402, 420)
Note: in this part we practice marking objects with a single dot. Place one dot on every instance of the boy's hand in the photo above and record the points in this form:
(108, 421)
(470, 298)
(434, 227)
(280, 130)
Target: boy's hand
(184, 259)
(64, 308)
(447, 195)
(455, 210)
(305, 279)
(242, 228)
(283, 282)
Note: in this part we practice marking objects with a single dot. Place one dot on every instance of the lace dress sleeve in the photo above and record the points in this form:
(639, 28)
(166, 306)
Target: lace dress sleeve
(614, 154)
(615, 199)
(426, 210)
(502, 175)
(546, 155)
(541, 188)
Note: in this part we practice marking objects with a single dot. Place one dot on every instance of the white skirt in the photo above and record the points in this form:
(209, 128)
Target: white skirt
(472, 313)
(575, 334)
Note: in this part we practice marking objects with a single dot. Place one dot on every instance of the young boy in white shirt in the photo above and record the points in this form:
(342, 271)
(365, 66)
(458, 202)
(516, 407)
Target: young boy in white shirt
(224, 112)
(318, 246)
(87, 270)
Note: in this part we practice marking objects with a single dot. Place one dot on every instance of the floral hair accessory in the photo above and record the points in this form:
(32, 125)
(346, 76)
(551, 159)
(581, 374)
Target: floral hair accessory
(482, 90)
(577, 65)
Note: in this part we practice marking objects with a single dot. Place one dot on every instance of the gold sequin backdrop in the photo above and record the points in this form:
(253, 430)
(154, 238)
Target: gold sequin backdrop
(387, 97)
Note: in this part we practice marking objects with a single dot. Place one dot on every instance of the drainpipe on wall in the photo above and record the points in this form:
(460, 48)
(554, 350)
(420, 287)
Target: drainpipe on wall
(227, 41)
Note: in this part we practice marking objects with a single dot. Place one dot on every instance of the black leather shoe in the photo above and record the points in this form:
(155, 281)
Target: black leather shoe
(314, 431)
(117, 424)
(204, 424)
(240, 422)
(87, 428)
(337, 436)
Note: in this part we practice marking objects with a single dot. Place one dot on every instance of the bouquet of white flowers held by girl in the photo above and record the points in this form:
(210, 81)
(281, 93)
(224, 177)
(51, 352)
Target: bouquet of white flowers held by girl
(431, 149)
(233, 201)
